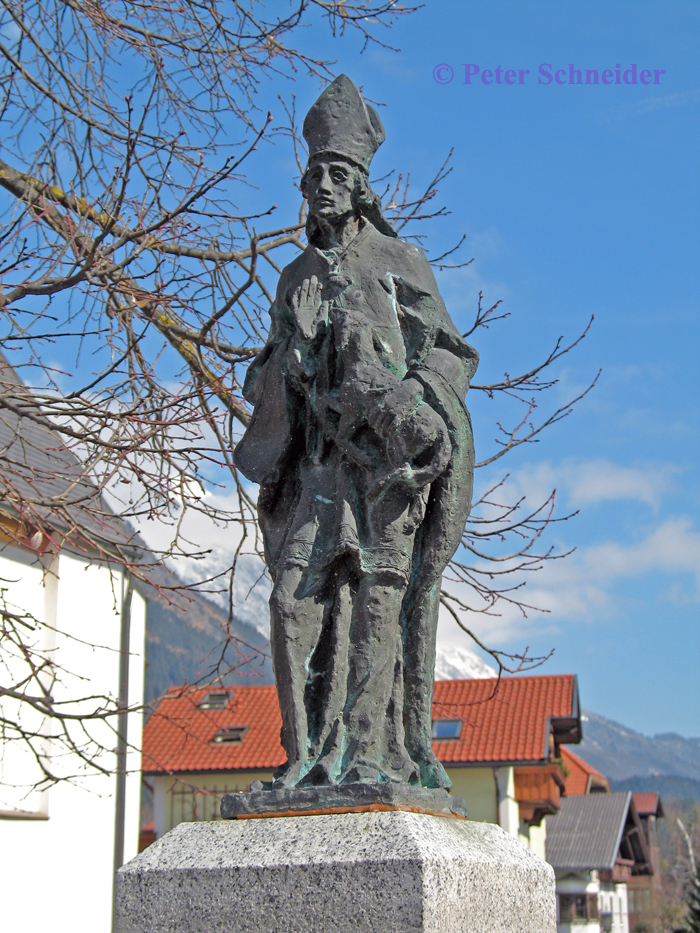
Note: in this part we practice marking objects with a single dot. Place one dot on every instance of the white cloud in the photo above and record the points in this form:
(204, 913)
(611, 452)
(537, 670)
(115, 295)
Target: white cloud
(672, 547)
(504, 627)
(587, 585)
(583, 587)
(590, 482)
(651, 104)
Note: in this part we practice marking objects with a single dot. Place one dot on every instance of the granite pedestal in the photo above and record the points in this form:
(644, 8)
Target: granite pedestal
(370, 872)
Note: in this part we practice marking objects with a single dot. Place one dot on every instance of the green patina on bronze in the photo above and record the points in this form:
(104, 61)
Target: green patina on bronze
(362, 446)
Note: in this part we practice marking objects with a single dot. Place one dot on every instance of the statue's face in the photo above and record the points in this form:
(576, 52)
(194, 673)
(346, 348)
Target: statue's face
(329, 188)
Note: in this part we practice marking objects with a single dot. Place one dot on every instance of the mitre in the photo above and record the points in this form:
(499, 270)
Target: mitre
(341, 123)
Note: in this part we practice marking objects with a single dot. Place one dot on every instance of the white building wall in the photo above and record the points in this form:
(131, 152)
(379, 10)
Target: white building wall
(613, 899)
(508, 810)
(23, 595)
(56, 872)
(137, 674)
(537, 839)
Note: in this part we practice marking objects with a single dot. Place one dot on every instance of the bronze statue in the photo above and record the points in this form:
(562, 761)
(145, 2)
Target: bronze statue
(362, 446)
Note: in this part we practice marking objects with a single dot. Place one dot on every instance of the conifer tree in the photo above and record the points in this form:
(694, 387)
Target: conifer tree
(694, 904)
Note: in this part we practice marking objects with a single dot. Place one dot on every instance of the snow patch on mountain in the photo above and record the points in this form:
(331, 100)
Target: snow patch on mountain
(249, 593)
(460, 663)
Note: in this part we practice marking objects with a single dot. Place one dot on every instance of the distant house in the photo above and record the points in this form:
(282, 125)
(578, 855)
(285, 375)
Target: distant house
(64, 599)
(597, 846)
(644, 890)
(643, 887)
(581, 778)
(502, 752)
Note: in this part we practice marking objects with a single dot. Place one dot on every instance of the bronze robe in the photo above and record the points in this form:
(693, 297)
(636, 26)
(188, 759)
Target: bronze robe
(330, 492)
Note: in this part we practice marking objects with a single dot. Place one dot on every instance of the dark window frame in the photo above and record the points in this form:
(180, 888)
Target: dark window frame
(210, 701)
(439, 724)
(228, 735)
(578, 908)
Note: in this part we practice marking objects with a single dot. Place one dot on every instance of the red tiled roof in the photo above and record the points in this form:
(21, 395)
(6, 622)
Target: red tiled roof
(647, 803)
(581, 775)
(511, 727)
(179, 736)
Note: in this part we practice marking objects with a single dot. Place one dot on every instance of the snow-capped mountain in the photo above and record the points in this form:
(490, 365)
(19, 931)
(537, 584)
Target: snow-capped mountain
(251, 585)
(185, 634)
(460, 663)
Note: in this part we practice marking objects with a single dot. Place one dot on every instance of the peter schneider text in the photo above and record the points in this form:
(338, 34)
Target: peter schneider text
(547, 73)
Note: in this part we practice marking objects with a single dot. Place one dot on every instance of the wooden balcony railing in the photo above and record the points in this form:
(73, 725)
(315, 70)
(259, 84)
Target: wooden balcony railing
(538, 790)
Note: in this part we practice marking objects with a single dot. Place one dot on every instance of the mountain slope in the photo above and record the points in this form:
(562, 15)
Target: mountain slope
(670, 787)
(184, 632)
(460, 663)
(619, 752)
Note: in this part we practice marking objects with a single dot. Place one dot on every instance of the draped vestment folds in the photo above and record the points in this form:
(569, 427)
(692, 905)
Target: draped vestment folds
(357, 533)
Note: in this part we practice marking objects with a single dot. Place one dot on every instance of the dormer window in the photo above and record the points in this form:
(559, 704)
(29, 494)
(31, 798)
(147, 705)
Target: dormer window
(217, 700)
(447, 728)
(230, 734)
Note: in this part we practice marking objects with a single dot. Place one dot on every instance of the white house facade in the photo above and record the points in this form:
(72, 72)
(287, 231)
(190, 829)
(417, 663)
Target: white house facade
(73, 641)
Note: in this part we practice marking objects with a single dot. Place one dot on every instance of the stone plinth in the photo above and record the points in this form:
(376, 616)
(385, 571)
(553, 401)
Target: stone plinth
(375, 872)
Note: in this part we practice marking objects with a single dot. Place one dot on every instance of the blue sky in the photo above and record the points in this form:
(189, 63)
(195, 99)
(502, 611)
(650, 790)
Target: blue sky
(575, 200)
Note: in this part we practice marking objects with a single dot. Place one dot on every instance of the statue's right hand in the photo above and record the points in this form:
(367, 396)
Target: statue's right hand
(308, 307)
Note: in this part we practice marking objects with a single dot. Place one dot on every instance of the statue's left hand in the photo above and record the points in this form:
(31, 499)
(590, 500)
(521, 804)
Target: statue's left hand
(418, 448)
(419, 434)
(416, 436)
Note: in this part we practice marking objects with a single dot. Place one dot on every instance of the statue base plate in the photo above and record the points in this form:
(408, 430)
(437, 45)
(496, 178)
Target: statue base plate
(266, 801)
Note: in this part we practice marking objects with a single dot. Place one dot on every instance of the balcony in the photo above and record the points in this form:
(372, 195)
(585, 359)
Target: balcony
(538, 790)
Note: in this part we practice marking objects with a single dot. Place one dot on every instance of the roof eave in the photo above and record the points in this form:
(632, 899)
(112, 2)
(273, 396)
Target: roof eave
(510, 763)
(567, 730)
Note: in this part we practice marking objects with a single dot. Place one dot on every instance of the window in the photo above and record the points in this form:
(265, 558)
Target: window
(230, 734)
(199, 803)
(447, 728)
(639, 901)
(215, 701)
(578, 907)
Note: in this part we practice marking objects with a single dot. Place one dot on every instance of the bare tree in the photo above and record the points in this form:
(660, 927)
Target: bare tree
(679, 836)
(128, 128)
